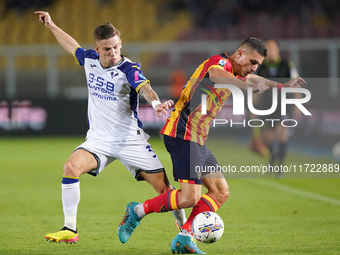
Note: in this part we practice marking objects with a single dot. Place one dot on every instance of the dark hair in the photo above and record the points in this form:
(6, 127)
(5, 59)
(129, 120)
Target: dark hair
(255, 44)
(105, 31)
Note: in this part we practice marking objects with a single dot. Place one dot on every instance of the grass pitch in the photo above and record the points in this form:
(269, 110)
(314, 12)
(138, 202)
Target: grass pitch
(262, 215)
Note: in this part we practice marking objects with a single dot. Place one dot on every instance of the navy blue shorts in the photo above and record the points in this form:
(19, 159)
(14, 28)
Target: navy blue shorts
(189, 159)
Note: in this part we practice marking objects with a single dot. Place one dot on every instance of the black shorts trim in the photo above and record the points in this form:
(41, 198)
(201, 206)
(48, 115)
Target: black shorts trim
(139, 177)
(95, 171)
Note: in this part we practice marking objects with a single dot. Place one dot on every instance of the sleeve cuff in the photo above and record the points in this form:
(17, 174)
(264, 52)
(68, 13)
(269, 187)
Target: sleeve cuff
(74, 55)
(141, 85)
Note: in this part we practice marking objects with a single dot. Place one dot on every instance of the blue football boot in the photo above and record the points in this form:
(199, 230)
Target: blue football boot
(129, 222)
(183, 244)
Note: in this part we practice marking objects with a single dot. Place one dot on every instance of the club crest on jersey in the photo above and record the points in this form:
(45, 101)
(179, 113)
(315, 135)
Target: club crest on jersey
(113, 74)
(222, 62)
(212, 92)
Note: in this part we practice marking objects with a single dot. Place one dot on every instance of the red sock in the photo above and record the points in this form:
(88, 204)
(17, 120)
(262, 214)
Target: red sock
(168, 201)
(206, 203)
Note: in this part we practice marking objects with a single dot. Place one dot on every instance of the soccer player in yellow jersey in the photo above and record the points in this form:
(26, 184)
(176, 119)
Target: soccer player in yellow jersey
(185, 132)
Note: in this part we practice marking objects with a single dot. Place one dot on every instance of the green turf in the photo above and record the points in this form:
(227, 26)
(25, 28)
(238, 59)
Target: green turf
(262, 215)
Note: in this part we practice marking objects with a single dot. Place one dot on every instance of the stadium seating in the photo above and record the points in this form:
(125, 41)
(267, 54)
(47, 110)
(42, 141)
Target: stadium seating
(137, 20)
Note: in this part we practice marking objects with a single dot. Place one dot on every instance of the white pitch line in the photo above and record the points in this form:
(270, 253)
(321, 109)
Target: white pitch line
(295, 191)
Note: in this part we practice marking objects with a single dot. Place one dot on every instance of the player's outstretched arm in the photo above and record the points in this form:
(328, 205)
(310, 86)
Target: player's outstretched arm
(65, 40)
(220, 76)
(152, 98)
(297, 82)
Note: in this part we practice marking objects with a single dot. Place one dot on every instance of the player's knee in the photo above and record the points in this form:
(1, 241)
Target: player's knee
(71, 169)
(220, 195)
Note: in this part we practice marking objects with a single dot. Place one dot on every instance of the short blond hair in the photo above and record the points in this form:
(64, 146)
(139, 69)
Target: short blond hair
(105, 31)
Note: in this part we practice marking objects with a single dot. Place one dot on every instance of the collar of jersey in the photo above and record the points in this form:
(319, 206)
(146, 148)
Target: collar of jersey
(120, 61)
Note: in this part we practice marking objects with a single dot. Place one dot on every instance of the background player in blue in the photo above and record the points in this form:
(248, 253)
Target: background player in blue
(115, 131)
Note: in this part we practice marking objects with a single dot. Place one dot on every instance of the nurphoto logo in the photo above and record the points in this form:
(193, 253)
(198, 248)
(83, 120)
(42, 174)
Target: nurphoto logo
(238, 105)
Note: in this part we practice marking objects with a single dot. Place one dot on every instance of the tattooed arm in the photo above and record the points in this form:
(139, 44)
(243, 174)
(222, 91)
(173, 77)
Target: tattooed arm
(148, 93)
(152, 98)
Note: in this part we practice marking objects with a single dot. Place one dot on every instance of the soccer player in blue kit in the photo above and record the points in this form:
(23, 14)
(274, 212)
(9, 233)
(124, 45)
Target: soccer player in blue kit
(115, 131)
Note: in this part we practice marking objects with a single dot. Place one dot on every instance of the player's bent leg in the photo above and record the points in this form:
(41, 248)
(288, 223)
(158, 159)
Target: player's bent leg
(189, 195)
(167, 201)
(134, 212)
(160, 182)
(217, 187)
(218, 193)
(78, 163)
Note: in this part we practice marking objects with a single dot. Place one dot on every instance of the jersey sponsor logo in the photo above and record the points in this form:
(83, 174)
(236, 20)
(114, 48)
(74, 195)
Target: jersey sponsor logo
(98, 83)
(93, 87)
(108, 98)
(222, 62)
(93, 65)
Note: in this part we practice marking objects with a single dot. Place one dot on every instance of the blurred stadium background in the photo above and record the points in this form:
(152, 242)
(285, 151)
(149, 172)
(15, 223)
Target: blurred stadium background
(43, 92)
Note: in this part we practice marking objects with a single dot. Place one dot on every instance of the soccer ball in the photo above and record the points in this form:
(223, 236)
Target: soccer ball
(207, 227)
